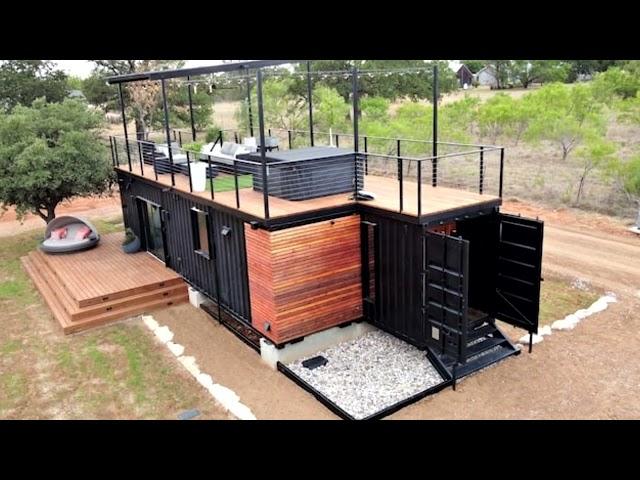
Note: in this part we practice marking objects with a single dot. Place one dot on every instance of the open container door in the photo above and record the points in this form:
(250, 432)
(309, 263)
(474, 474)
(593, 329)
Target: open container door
(519, 269)
(445, 297)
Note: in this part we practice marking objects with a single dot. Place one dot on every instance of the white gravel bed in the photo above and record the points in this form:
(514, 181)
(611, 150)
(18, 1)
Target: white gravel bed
(372, 372)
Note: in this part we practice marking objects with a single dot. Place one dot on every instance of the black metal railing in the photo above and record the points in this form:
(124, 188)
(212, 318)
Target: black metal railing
(387, 172)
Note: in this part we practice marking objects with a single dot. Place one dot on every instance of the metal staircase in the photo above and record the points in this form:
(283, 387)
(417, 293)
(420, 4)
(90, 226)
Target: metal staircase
(486, 344)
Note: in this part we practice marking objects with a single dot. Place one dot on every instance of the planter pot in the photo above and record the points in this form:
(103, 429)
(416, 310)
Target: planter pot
(198, 176)
(132, 247)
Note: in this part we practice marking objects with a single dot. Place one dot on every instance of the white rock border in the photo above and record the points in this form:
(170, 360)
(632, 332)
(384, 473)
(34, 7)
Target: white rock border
(226, 397)
(570, 321)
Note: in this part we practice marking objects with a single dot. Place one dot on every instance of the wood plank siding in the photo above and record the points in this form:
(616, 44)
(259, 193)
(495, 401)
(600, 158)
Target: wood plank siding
(304, 279)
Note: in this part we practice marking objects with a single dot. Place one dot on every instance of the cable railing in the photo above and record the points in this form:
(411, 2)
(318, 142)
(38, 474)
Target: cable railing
(393, 179)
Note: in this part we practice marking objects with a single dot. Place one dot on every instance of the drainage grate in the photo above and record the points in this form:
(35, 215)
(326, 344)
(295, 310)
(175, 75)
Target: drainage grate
(315, 362)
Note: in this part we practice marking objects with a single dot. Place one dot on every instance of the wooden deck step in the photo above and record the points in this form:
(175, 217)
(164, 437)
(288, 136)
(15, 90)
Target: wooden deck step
(52, 300)
(125, 313)
(73, 317)
(76, 313)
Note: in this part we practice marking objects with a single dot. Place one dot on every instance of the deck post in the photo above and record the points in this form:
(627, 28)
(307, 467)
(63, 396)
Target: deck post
(366, 157)
(356, 139)
(501, 171)
(210, 173)
(310, 102)
(140, 157)
(249, 106)
(434, 173)
(263, 153)
(167, 130)
(113, 157)
(124, 124)
(193, 123)
(401, 189)
(481, 186)
(189, 171)
(419, 175)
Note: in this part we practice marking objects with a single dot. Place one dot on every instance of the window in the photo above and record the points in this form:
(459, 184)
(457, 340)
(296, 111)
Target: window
(200, 228)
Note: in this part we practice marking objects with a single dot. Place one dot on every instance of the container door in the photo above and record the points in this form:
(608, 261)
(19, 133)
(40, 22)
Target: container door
(445, 293)
(519, 268)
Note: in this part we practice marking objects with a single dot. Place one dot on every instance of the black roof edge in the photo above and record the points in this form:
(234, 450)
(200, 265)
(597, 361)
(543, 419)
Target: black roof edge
(184, 72)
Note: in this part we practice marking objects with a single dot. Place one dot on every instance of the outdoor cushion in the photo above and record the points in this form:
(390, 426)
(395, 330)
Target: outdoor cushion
(228, 148)
(59, 233)
(181, 158)
(82, 233)
(207, 148)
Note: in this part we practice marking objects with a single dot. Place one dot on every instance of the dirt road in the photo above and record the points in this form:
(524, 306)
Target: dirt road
(592, 247)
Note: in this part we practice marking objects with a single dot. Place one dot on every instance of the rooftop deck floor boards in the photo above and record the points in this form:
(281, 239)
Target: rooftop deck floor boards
(435, 200)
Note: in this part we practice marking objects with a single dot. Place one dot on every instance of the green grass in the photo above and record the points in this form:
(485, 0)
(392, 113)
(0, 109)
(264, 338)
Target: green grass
(227, 183)
(10, 347)
(558, 299)
(13, 387)
(100, 364)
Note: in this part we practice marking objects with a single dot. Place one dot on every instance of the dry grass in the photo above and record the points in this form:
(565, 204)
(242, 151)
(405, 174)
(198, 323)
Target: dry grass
(117, 372)
(559, 297)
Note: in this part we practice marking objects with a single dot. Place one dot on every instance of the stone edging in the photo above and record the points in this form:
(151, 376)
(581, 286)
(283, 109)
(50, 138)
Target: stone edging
(570, 321)
(226, 397)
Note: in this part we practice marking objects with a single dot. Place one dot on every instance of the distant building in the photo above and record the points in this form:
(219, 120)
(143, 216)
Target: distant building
(487, 76)
(465, 76)
(77, 94)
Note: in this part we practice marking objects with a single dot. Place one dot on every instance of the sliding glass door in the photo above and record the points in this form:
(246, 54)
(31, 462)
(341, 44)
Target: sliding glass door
(153, 228)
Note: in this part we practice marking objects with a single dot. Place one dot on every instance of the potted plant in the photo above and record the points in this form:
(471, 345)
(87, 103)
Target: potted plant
(131, 242)
(197, 168)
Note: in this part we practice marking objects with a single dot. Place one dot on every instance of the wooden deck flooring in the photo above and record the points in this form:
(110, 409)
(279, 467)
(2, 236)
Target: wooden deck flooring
(102, 285)
(435, 200)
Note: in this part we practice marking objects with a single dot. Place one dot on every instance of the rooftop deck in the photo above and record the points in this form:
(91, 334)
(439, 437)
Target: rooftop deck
(422, 188)
(435, 200)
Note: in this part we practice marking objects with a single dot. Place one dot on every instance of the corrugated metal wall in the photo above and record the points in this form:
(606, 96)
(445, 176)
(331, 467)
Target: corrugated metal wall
(231, 257)
(196, 268)
(399, 289)
(228, 255)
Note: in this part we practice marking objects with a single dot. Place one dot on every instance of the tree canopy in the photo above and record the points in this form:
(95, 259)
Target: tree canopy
(410, 83)
(98, 93)
(23, 81)
(50, 152)
(143, 99)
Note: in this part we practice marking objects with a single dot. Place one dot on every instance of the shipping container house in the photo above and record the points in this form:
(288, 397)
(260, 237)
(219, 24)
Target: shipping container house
(315, 230)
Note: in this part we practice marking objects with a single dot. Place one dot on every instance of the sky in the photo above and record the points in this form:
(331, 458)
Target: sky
(83, 68)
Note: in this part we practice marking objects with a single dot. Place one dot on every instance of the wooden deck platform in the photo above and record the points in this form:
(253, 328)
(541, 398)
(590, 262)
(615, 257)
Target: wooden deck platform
(435, 200)
(102, 285)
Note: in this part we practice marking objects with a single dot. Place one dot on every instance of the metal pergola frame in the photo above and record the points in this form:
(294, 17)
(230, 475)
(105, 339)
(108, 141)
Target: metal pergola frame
(258, 65)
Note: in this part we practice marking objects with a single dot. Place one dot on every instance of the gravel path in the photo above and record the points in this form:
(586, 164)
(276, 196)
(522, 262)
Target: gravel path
(370, 373)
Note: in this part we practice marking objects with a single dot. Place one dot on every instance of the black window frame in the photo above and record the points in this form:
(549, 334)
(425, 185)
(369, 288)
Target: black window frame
(195, 232)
